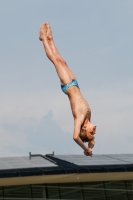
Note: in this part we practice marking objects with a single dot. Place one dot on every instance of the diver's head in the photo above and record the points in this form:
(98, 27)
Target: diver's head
(87, 132)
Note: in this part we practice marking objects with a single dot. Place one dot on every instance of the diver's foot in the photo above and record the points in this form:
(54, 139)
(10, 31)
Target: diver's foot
(49, 32)
(45, 32)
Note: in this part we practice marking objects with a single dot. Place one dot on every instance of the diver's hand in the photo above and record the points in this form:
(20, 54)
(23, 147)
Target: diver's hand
(88, 152)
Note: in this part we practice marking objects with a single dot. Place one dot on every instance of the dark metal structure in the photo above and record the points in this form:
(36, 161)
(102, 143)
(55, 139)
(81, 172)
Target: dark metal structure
(67, 177)
(50, 164)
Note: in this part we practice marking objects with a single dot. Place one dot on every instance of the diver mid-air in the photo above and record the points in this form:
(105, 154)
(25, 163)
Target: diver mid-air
(84, 130)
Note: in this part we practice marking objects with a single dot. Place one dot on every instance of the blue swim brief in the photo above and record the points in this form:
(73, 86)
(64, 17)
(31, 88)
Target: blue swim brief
(66, 86)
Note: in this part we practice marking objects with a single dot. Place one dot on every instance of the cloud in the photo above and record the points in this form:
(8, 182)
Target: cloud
(27, 124)
(16, 105)
(36, 136)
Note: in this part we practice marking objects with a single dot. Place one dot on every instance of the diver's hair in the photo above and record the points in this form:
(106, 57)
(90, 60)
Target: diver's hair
(84, 137)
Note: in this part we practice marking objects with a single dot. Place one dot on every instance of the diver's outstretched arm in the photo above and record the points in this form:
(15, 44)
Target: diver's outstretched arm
(77, 127)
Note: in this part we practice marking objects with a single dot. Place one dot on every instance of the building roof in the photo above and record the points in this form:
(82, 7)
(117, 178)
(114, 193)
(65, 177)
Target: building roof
(24, 162)
(41, 165)
(55, 164)
(114, 159)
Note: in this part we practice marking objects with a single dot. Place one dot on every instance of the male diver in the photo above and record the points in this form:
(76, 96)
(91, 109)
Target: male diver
(84, 130)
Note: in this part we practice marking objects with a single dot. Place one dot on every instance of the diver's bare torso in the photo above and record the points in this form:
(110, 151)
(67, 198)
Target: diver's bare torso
(79, 106)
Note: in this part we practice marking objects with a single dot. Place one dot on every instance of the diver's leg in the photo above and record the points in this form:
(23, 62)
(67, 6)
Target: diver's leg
(64, 73)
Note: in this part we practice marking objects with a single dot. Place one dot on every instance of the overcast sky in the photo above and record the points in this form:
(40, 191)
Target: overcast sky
(96, 40)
